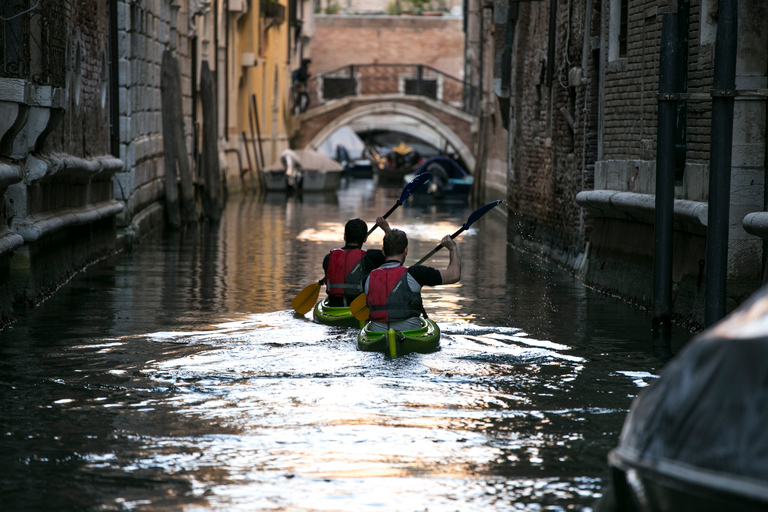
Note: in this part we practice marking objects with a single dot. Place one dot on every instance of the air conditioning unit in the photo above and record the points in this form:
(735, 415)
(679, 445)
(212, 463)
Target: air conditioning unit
(248, 59)
(237, 5)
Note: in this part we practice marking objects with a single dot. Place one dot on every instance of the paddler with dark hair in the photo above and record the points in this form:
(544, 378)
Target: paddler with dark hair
(346, 268)
(393, 291)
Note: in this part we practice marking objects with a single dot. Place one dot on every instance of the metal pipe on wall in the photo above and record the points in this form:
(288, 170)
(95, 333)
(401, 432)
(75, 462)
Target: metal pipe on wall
(721, 146)
(114, 82)
(665, 179)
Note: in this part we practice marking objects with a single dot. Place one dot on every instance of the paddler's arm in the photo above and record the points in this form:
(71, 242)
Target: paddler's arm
(452, 274)
(383, 224)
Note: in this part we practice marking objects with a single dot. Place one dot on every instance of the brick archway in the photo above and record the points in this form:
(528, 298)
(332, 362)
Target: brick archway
(434, 122)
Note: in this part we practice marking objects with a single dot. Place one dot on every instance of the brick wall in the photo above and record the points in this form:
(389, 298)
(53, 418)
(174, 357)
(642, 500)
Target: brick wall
(84, 128)
(550, 157)
(433, 41)
(144, 33)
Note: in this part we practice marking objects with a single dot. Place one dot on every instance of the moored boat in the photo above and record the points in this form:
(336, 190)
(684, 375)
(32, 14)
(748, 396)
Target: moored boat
(339, 316)
(449, 180)
(397, 343)
(696, 439)
(303, 170)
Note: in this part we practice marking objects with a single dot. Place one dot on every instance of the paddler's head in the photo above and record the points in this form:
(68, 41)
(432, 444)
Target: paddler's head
(395, 245)
(355, 232)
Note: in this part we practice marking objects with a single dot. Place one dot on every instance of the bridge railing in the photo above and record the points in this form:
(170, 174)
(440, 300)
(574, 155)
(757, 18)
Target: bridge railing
(381, 79)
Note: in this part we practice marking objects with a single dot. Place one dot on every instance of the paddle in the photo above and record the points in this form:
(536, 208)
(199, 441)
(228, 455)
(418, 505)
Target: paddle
(359, 306)
(415, 183)
(306, 298)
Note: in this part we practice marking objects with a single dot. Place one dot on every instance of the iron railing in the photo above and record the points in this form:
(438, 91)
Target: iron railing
(383, 79)
(33, 40)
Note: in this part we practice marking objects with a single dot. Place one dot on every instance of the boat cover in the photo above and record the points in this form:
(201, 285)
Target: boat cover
(345, 137)
(451, 167)
(709, 408)
(304, 159)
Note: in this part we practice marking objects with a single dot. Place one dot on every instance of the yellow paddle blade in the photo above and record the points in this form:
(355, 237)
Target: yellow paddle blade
(306, 299)
(359, 308)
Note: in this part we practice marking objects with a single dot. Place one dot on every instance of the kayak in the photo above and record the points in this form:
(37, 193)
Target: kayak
(337, 316)
(397, 343)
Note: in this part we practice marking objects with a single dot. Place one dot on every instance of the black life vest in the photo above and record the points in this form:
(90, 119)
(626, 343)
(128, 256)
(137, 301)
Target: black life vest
(345, 273)
(389, 296)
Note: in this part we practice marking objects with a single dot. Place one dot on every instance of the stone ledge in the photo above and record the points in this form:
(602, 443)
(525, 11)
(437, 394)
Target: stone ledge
(9, 240)
(9, 174)
(37, 226)
(689, 215)
(72, 166)
(756, 224)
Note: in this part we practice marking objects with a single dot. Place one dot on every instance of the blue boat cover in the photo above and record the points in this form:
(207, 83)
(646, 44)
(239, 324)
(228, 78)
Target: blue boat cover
(709, 408)
(451, 167)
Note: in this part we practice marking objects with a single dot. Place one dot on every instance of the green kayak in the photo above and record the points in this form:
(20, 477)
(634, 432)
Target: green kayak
(338, 316)
(395, 343)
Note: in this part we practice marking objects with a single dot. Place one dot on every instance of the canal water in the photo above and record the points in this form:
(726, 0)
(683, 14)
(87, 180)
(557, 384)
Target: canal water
(177, 377)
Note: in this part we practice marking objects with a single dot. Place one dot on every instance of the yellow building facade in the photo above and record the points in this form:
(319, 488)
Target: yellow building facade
(260, 44)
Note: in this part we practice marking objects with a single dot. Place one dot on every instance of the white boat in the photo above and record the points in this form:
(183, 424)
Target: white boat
(303, 170)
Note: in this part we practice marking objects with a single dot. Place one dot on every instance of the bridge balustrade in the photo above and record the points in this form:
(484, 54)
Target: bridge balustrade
(392, 79)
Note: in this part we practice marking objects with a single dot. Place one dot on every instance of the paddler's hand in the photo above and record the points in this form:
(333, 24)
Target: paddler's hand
(383, 224)
(448, 242)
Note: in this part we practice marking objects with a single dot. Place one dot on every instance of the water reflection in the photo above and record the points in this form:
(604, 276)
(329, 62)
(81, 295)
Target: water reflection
(177, 377)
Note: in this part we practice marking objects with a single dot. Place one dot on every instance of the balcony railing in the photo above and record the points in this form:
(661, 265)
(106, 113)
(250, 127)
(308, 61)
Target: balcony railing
(383, 79)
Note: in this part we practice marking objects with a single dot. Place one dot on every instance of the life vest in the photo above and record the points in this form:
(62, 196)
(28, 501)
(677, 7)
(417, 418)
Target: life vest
(389, 296)
(345, 274)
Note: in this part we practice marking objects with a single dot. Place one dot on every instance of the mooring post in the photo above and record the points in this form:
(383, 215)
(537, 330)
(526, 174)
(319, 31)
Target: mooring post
(720, 149)
(167, 92)
(665, 180)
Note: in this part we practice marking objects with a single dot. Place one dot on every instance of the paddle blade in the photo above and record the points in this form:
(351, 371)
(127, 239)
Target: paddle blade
(415, 183)
(306, 299)
(359, 308)
(472, 218)
(481, 211)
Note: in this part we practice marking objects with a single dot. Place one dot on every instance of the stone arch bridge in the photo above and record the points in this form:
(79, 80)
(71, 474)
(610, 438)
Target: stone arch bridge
(413, 99)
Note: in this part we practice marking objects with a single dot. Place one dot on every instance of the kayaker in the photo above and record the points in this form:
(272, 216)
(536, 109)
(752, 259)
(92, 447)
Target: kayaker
(393, 291)
(346, 268)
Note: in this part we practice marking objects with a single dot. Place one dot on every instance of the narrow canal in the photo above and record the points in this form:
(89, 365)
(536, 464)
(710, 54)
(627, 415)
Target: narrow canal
(177, 377)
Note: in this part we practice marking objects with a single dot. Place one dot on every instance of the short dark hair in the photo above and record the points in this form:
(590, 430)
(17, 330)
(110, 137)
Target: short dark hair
(395, 242)
(355, 232)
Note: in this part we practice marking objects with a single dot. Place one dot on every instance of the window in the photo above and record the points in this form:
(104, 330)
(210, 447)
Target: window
(623, 28)
(618, 29)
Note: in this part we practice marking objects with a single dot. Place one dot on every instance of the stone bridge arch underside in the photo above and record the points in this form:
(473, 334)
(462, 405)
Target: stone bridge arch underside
(433, 122)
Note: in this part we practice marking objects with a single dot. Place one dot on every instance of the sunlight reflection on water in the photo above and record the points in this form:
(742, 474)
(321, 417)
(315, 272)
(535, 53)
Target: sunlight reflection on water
(178, 378)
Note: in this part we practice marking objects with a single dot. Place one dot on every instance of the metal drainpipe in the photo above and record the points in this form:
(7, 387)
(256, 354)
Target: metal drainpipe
(721, 146)
(665, 180)
(765, 186)
(114, 82)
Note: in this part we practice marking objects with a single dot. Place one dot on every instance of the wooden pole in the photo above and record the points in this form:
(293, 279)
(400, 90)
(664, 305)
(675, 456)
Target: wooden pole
(258, 129)
(253, 141)
(212, 202)
(167, 92)
(185, 171)
(248, 159)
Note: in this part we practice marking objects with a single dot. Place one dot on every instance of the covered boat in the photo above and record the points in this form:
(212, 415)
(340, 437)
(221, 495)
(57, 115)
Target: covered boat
(305, 170)
(339, 316)
(397, 343)
(449, 179)
(697, 438)
(346, 147)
